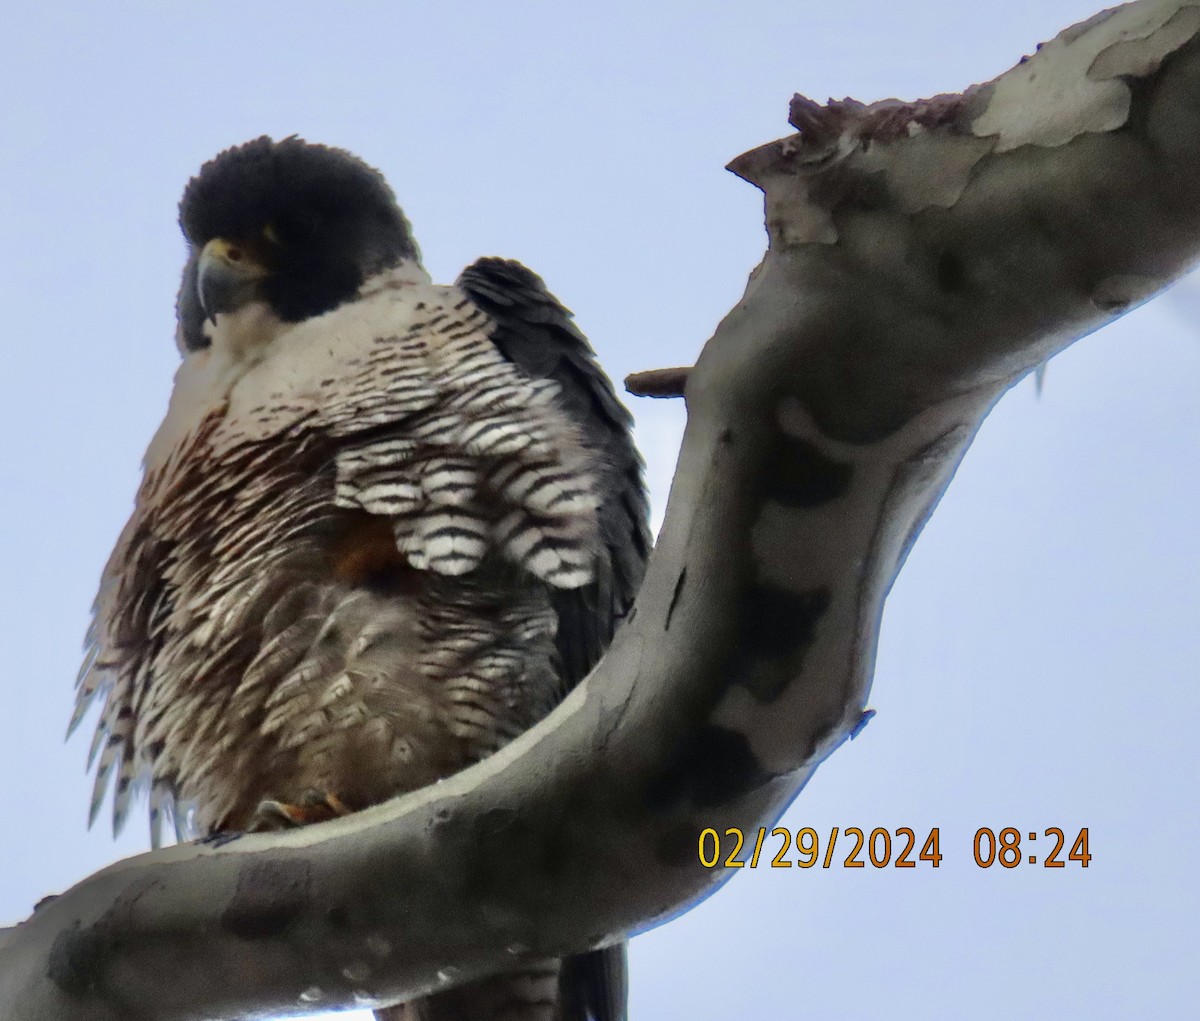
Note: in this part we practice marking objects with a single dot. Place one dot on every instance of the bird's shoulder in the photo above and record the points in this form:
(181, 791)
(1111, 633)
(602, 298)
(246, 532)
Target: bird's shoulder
(537, 333)
(391, 352)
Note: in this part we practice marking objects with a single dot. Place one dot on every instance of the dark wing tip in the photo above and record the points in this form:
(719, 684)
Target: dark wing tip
(537, 333)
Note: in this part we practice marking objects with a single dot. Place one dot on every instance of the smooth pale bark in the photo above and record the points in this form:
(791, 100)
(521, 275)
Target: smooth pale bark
(923, 257)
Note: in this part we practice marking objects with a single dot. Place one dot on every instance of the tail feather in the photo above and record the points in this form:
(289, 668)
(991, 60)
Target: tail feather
(595, 986)
(590, 987)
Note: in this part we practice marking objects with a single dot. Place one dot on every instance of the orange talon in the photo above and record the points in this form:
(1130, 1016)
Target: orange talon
(313, 806)
(336, 805)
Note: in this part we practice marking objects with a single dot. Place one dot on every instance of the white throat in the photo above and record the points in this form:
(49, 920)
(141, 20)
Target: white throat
(239, 339)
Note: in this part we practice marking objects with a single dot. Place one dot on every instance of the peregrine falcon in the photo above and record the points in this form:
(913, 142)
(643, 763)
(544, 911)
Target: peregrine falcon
(383, 528)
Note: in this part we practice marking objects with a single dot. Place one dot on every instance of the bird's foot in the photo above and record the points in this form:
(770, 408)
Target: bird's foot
(314, 806)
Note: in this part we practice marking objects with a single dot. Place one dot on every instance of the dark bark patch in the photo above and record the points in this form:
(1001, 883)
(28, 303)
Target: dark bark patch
(270, 899)
(951, 272)
(80, 958)
(501, 837)
(777, 627)
(801, 476)
(712, 766)
(75, 960)
(678, 847)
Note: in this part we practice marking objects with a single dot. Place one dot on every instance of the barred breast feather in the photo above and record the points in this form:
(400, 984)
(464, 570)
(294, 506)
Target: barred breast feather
(340, 568)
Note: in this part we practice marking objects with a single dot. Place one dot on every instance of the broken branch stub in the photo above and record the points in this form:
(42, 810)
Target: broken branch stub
(658, 382)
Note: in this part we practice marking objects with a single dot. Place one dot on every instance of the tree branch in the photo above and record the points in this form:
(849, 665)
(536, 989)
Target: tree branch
(923, 257)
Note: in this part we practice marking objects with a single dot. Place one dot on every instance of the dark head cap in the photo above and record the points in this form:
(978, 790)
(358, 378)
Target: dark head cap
(320, 220)
(261, 182)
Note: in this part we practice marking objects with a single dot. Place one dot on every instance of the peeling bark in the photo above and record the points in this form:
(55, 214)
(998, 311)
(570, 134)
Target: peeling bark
(923, 257)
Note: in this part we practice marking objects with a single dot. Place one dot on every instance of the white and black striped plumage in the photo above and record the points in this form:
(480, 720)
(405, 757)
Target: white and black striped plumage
(383, 528)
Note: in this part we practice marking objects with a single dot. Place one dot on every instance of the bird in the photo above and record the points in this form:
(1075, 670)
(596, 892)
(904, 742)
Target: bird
(384, 526)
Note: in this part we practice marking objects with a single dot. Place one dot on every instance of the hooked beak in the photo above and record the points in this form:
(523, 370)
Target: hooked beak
(227, 277)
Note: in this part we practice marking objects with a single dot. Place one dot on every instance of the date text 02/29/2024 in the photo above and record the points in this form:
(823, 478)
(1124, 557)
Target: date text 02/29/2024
(881, 848)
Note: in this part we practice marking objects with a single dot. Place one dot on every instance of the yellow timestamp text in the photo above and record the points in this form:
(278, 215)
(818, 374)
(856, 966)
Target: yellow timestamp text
(851, 848)
(856, 848)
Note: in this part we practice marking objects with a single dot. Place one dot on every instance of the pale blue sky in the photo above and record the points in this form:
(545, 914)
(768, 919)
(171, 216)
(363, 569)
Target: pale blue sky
(1040, 651)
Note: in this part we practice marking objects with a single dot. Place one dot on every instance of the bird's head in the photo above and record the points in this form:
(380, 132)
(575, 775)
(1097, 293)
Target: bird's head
(295, 226)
